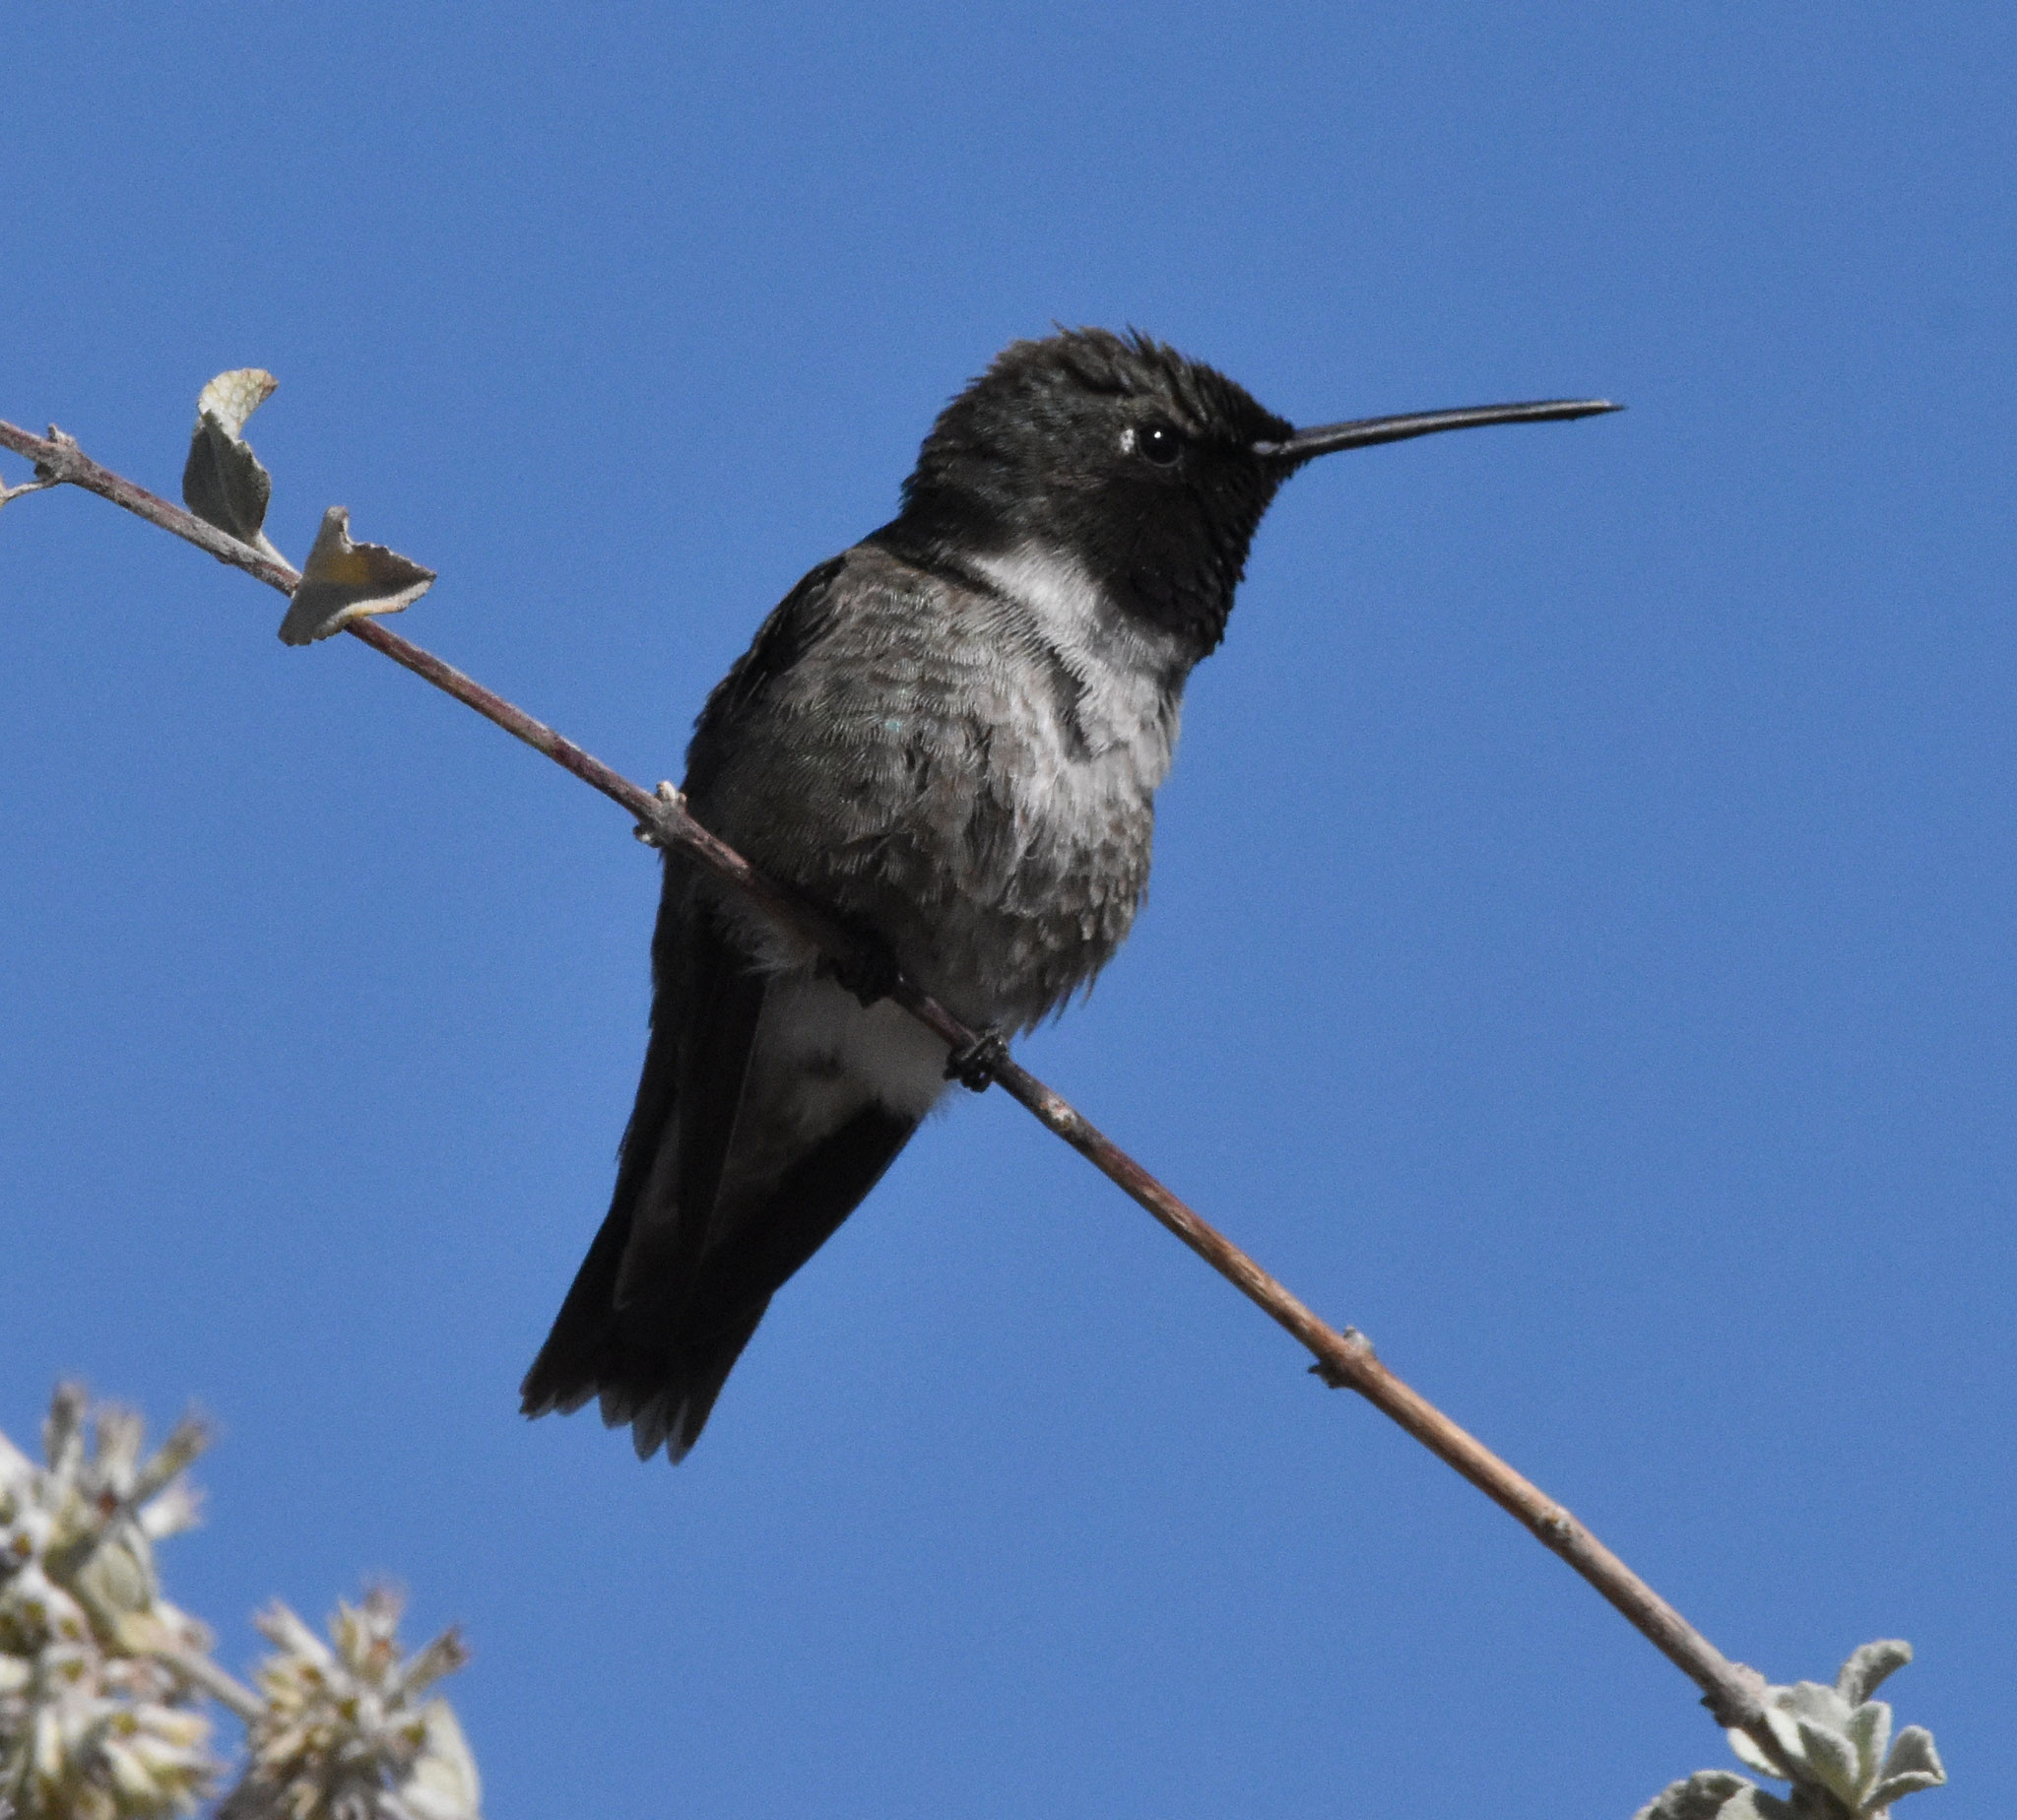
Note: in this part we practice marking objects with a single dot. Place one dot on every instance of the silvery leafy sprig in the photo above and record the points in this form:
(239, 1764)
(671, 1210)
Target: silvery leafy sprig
(1835, 1746)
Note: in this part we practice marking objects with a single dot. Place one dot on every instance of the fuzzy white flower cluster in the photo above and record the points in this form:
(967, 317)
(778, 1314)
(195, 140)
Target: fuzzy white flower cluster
(344, 1733)
(100, 1690)
(103, 1681)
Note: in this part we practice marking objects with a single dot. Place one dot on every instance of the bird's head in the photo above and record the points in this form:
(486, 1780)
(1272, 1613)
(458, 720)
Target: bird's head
(1150, 470)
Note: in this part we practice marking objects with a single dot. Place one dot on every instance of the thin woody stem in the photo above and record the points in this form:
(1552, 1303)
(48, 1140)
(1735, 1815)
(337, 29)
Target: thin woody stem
(1344, 1360)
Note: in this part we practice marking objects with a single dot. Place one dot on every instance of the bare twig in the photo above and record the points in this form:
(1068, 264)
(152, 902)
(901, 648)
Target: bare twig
(26, 486)
(1344, 1360)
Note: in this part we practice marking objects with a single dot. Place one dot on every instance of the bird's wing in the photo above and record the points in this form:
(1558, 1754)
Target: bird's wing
(642, 1268)
(677, 1279)
(718, 1004)
(736, 1283)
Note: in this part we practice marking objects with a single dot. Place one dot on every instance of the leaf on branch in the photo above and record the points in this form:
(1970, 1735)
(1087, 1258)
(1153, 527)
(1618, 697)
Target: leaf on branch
(1869, 1731)
(1700, 1798)
(1754, 1804)
(1830, 1758)
(1831, 1744)
(222, 481)
(1865, 1671)
(346, 581)
(1914, 1764)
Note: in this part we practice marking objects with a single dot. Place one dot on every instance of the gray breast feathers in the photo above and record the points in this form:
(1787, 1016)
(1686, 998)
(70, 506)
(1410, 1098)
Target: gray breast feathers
(970, 771)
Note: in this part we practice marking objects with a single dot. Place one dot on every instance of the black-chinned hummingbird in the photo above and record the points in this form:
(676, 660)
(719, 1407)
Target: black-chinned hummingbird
(951, 735)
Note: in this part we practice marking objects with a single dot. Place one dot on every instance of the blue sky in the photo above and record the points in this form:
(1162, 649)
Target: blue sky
(1580, 948)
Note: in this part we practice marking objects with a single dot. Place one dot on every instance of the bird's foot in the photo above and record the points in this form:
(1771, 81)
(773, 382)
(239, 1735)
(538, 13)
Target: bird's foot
(871, 974)
(973, 1064)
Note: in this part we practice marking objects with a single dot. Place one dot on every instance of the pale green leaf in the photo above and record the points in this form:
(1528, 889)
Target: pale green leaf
(1869, 1730)
(1914, 1764)
(1751, 1753)
(1866, 1671)
(1831, 1761)
(346, 581)
(232, 397)
(222, 481)
(1809, 1699)
(444, 1783)
(1753, 1803)
(1700, 1798)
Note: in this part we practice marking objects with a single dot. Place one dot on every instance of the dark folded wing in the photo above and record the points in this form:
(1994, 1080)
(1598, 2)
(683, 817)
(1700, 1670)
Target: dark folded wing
(737, 1283)
(643, 1269)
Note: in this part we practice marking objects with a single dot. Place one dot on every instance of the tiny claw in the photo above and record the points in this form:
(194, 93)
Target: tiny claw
(973, 1064)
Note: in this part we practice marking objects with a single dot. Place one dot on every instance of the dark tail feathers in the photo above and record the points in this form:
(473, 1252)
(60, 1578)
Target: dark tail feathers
(664, 1392)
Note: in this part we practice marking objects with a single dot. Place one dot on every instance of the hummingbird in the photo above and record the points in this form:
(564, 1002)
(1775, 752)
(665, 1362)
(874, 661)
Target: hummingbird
(951, 736)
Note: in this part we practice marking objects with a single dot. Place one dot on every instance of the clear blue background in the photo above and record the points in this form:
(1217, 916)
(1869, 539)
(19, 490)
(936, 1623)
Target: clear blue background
(1580, 952)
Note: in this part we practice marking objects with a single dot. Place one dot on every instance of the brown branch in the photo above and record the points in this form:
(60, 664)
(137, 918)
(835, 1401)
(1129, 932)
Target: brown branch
(1344, 1360)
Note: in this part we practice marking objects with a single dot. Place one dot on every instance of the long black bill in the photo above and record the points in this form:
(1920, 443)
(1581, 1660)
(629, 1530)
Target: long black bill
(1363, 432)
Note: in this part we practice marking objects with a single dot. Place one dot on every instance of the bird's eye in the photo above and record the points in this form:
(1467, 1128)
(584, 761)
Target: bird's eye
(1158, 442)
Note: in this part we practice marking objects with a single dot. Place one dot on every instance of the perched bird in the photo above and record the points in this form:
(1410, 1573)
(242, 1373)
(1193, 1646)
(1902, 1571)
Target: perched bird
(951, 735)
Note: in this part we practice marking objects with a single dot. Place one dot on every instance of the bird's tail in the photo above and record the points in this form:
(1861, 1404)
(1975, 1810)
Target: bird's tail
(664, 1388)
(668, 1399)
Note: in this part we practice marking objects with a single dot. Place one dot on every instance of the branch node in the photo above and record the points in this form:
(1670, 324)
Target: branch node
(48, 472)
(1555, 1526)
(1343, 1377)
(647, 831)
(1738, 1712)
